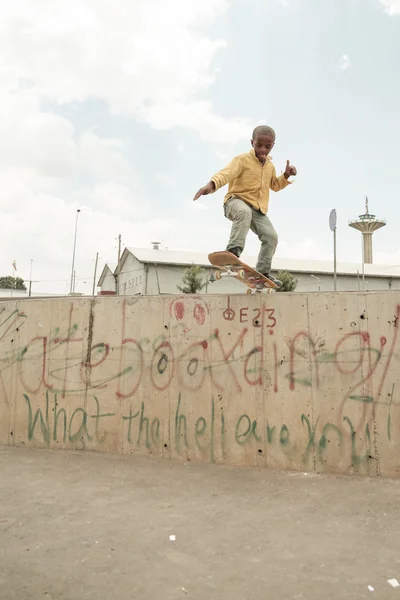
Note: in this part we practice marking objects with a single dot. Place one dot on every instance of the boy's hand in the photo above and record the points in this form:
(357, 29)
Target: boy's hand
(290, 170)
(207, 189)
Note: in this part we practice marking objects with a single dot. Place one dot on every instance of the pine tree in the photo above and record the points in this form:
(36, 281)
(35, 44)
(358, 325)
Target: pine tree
(289, 282)
(192, 280)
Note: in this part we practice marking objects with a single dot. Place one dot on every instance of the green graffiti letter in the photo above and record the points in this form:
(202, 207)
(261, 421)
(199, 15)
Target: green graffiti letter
(99, 416)
(179, 419)
(242, 438)
(155, 431)
(199, 430)
(57, 413)
(143, 421)
(129, 418)
(284, 436)
(82, 431)
(44, 422)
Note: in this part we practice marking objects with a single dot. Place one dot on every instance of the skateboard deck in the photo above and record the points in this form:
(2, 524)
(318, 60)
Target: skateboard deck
(229, 265)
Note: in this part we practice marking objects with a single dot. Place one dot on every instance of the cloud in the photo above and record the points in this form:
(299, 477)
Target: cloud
(197, 116)
(40, 225)
(33, 140)
(196, 206)
(344, 62)
(225, 156)
(392, 7)
(147, 59)
(308, 248)
(112, 197)
(103, 157)
(150, 62)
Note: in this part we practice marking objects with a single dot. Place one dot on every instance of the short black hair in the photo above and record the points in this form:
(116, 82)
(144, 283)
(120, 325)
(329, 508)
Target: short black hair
(263, 130)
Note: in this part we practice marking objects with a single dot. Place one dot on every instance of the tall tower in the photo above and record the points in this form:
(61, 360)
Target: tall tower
(367, 224)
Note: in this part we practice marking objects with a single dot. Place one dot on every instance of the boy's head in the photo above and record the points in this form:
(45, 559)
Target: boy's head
(263, 140)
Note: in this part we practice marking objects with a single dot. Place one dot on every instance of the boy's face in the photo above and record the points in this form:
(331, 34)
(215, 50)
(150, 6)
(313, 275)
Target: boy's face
(263, 144)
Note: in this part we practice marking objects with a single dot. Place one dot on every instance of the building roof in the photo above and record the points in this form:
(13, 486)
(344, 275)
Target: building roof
(294, 265)
(170, 257)
(108, 269)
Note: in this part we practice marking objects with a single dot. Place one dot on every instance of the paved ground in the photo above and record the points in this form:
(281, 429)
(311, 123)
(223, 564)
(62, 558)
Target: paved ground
(89, 526)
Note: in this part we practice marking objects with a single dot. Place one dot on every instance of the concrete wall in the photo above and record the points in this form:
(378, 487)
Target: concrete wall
(288, 381)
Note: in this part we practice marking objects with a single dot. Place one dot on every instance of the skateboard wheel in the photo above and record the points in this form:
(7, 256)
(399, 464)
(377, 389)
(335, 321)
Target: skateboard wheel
(248, 292)
(218, 275)
(241, 274)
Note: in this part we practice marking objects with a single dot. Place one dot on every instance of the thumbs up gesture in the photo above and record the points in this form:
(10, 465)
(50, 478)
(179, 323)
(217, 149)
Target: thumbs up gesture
(290, 170)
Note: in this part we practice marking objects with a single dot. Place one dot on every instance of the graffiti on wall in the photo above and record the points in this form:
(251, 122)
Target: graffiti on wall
(225, 379)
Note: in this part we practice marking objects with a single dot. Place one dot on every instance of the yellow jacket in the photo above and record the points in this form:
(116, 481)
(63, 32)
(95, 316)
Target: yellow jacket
(250, 181)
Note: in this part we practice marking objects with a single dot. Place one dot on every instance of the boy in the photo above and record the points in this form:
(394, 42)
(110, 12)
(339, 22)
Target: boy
(250, 177)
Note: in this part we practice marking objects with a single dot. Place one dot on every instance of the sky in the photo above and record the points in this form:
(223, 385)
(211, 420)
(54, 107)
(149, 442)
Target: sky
(125, 109)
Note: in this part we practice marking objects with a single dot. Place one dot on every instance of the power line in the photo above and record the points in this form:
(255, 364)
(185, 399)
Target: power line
(82, 278)
(65, 279)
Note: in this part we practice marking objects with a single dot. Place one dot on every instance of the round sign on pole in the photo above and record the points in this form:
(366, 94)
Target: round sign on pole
(332, 220)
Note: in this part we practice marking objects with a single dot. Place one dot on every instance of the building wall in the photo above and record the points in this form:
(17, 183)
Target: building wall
(290, 381)
(345, 283)
(108, 283)
(7, 293)
(131, 280)
(164, 279)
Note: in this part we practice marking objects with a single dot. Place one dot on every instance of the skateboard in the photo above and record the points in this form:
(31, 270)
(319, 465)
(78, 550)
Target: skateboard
(230, 266)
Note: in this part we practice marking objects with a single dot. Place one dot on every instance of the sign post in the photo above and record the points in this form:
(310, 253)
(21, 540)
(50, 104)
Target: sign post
(332, 227)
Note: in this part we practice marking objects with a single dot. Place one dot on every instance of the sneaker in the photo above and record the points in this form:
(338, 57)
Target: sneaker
(235, 251)
(277, 282)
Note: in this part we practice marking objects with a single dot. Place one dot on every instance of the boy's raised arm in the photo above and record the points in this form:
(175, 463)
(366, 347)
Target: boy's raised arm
(279, 183)
(221, 178)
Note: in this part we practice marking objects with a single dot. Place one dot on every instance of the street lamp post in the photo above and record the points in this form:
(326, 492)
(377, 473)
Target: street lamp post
(30, 279)
(73, 253)
(95, 271)
(319, 281)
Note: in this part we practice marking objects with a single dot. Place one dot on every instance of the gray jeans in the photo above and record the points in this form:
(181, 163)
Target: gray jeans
(243, 218)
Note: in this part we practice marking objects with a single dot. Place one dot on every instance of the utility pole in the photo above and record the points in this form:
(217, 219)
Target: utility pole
(119, 258)
(30, 279)
(95, 271)
(332, 227)
(334, 261)
(72, 286)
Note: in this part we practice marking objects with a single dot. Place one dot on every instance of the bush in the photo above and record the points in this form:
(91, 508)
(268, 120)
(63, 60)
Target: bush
(12, 283)
(289, 282)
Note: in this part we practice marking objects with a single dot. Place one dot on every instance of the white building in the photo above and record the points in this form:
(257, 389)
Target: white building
(155, 271)
(108, 280)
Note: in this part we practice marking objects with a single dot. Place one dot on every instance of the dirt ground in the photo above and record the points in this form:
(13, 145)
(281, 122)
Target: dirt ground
(91, 526)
